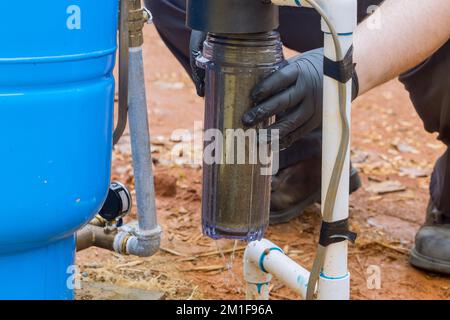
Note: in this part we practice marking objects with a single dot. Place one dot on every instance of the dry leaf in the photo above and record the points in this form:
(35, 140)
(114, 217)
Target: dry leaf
(360, 156)
(158, 141)
(405, 148)
(435, 146)
(414, 172)
(386, 187)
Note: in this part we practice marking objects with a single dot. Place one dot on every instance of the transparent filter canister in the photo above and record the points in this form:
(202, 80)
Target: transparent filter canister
(236, 193)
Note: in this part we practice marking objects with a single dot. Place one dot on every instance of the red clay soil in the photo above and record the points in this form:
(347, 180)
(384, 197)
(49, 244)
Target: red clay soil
(389, 144)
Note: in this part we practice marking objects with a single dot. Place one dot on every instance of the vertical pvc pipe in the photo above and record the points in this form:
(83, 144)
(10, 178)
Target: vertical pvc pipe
(140, 143)
(334, 281)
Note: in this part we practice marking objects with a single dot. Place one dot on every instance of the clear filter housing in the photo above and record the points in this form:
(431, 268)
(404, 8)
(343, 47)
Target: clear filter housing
(236, 195)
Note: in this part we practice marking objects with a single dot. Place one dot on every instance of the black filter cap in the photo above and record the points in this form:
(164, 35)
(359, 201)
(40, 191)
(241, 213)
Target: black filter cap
(232, 16)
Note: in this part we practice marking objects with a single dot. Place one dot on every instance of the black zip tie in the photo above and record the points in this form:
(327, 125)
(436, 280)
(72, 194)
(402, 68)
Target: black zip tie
(341, 71)
(334, 232)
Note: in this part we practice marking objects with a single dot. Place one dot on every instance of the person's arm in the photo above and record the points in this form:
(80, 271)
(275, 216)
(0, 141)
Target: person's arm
(410, 32)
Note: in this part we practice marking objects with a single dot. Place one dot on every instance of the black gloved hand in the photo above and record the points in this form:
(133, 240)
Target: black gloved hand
(294, 94)
(195, 49)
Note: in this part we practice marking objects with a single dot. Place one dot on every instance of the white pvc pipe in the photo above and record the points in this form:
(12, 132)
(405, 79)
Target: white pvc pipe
(262, 260)
(334, 282)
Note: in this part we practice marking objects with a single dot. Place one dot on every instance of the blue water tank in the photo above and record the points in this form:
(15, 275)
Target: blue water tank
(56, 123)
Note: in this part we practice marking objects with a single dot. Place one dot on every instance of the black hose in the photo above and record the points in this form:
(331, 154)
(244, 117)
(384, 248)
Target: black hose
(123, 72)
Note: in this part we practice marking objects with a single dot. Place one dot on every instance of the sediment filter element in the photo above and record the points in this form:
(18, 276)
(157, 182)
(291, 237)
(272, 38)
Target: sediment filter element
(237, 168)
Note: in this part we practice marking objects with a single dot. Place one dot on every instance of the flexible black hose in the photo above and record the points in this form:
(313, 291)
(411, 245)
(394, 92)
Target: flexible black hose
(123, 72)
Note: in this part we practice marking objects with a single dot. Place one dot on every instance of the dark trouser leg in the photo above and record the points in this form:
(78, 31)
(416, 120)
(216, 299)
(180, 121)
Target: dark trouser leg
(429, 88)
(440, 184)
(169, 18)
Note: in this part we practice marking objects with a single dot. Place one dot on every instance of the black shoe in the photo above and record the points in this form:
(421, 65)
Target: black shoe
(432, 248)
(296, 188)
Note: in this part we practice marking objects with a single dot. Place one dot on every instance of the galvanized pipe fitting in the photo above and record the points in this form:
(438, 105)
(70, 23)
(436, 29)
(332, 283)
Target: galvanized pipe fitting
(137, 18)
(132, 241)
(95, 236)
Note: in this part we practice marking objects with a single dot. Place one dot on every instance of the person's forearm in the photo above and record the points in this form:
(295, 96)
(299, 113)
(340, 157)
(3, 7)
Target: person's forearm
(410, 31)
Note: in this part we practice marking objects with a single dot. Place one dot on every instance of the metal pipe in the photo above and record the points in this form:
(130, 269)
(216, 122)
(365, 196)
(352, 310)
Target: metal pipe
(140, 143)
(140, 238)
(135, 241)
(262, 260)
(128, 239)
(98, 221)
(143, 238)
(94, 236)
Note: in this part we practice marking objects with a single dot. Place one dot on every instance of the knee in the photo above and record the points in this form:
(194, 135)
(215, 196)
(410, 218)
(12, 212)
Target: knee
(428, 86)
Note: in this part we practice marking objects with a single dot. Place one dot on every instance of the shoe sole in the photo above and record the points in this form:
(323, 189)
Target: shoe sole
(278, 217)
(430, 264)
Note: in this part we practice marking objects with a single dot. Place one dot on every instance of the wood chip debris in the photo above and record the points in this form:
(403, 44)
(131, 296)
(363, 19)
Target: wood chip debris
(173, 252)
(205, 268)
(414, 172)
(130, 264)
(214, 253)
(405, 148)
(385, 187)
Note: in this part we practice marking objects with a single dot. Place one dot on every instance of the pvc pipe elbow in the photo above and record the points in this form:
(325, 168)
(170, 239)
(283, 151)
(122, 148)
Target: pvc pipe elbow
(255, 251)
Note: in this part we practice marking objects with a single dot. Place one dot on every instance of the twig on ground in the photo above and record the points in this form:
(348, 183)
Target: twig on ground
(173, 252)
(192, 293)
(281, 296)
(394, 248)
(205, 268)
(213, 253)
(130, 264)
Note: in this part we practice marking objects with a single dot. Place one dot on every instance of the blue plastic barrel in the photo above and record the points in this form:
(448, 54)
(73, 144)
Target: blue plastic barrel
(56, 123)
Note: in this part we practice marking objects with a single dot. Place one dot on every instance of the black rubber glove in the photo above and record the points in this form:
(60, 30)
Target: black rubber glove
(195, 49)
(294, 94)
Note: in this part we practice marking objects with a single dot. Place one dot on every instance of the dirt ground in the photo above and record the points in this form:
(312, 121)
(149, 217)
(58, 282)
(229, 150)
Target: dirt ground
(390, 148)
